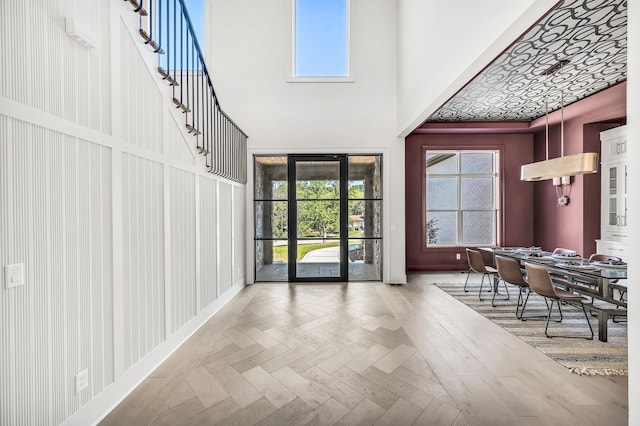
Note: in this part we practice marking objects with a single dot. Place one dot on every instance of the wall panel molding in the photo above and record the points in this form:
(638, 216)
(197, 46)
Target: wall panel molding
(95, 202)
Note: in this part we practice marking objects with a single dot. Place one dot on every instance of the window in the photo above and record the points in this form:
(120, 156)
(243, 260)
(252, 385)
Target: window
(320, 38)
(461, 198)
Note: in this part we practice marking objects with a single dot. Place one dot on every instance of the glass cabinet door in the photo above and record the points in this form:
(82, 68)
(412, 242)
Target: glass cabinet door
(616, 194)
(612, 192)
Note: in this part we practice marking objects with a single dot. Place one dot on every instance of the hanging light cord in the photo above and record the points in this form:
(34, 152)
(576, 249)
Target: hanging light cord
(546, 110)
(562, 123)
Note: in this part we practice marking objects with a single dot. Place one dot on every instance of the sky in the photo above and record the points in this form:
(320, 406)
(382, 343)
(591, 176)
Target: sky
(321, 38)
(195, 8)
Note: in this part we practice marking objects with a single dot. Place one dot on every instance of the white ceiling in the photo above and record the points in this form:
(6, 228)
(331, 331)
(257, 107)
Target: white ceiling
(591, 34)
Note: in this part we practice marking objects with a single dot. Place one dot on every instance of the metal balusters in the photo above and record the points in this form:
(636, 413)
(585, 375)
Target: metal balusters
(168, 30)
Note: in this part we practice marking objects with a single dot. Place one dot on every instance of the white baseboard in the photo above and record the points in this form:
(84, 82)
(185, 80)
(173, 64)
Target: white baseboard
(102, 404)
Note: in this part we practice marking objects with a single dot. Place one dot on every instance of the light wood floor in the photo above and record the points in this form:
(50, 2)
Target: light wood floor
(364, 353)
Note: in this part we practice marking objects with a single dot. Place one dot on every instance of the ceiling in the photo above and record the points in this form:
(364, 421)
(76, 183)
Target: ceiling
(590, 34)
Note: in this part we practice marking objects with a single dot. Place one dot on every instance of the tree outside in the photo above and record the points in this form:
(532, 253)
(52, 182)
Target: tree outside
(320, 216)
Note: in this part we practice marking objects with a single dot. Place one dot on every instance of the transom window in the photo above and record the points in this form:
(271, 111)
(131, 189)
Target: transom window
(321, 38)
(461, 198)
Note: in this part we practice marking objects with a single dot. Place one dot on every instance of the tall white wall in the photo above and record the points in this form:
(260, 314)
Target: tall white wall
(247, 47)
(443, 45)
(633, 122)
(128, 244)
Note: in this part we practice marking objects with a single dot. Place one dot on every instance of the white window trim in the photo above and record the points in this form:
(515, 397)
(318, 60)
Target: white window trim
(496, 198)
(291, 49)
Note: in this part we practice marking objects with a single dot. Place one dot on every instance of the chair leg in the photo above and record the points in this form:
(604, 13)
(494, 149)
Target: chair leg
(520, 303)
(467, 280)
(559, 310)
(480, 291)
(588, 322)
(586, 317)
(524, 306)
(482, 285)
(546, 327)
(493, 299)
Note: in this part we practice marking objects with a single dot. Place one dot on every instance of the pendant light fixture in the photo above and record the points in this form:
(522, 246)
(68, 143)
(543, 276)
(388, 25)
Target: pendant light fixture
(563, 166)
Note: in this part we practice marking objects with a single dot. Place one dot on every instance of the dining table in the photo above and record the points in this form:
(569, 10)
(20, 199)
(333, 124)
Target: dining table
(599, 281)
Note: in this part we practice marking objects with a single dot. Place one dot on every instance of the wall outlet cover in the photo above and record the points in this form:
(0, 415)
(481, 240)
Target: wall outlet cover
(82, 380)
(14, 275)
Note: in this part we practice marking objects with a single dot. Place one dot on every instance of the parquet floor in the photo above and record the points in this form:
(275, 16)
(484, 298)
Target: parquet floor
(364, 353)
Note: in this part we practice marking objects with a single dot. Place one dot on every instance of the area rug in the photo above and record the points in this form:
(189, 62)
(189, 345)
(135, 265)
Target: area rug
(581, 356)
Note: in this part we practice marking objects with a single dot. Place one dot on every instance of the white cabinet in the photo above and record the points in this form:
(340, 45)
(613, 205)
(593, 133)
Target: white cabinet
(614, 202)
(614, 144)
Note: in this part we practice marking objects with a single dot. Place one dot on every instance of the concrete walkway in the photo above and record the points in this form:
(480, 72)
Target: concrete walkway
(323, 255)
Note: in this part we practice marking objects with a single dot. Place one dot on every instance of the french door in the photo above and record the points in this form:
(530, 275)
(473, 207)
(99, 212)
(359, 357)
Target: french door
(317, 217)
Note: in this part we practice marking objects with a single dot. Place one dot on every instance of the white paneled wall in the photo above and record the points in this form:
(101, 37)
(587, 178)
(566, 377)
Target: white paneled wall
(238, 233)
(143, 275)
(59, 75)
(182, 240)
(55, 193)
(128, 244)
(178, 148)
(208, 242)
(225, 221)
(142, 102)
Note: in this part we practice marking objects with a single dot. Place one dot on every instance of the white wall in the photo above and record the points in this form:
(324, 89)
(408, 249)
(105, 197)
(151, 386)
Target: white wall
(633, 122)
(128, 244)
(443, 45)
(247, 44)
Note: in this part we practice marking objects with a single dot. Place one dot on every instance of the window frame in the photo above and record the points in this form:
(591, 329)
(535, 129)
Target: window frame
(291, 51)
(497, 202)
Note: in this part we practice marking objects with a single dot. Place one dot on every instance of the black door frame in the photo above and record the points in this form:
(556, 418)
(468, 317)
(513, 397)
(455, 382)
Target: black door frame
(293, 216)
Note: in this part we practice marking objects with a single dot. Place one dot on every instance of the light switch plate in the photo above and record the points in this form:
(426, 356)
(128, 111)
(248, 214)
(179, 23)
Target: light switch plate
(14, 275)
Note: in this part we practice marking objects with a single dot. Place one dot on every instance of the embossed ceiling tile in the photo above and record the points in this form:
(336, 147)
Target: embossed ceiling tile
(591, 34)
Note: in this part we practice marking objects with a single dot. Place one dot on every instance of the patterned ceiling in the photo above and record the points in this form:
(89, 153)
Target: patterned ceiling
(591, 34)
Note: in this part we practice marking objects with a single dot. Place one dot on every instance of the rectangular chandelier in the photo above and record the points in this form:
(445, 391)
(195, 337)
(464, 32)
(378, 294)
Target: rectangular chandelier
(569, 165)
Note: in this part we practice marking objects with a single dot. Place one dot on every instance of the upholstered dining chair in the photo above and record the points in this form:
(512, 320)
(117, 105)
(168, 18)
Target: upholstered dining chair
(560, 250)
(616, 284)
(599, 257)
(540, 282)
(477, 265)
(510, 273)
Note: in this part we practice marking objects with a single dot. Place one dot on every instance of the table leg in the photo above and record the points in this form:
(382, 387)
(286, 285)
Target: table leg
(603, 319)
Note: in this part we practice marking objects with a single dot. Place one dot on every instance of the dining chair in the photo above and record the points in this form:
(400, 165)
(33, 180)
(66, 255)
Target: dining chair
(540, 282)
(477, 265)
(563, 251)
(560, 250)
(615, 284)
(599, 257)
(510, 273)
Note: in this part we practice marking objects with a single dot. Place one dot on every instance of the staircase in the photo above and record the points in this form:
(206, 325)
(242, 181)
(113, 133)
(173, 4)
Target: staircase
(166, 28)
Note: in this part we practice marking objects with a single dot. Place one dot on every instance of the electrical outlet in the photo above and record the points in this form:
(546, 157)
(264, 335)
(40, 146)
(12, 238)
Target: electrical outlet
(82, 380)
(14, 275)
(457, 256)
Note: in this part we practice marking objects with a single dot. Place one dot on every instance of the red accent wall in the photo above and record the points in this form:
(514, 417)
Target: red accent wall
(516, 196)
(577, 225)
(531, 215)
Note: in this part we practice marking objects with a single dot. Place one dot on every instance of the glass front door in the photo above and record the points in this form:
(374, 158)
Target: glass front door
(318, 218)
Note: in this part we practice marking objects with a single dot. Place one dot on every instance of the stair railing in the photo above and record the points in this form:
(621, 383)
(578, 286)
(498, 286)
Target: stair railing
(165, 26)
